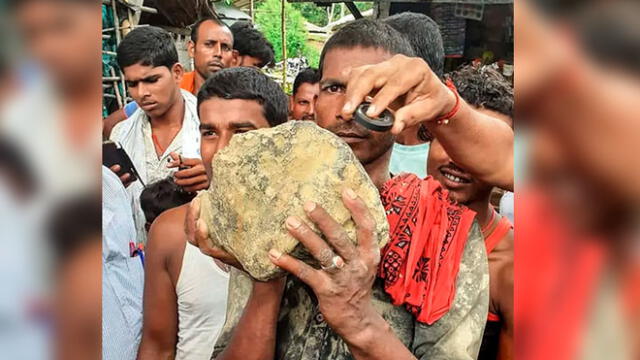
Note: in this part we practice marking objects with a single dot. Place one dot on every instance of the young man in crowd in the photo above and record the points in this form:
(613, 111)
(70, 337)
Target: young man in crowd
(163, 134)
(362, 310)
(250, 47)
(180, 320)
(487, 90)
(302, 103)
(211, 48)
(411, 148)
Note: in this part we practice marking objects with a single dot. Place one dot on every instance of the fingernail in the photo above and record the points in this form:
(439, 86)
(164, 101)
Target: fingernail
(347, 107)
(371, 110)
(275, 254)
(293, 222)
(309, 206)
(350, 194)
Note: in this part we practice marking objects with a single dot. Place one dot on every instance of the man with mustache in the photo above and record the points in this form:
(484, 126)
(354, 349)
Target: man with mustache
(211, 48)
(360, 304)
(302, 102)
(162, 135)
(487, 90)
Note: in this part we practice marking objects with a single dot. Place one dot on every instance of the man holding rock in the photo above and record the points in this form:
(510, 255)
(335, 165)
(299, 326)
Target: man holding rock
(361, 305)
(184, 297)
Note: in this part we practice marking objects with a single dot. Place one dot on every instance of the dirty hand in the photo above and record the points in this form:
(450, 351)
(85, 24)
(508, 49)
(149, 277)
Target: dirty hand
(404, 83)
(343, 285)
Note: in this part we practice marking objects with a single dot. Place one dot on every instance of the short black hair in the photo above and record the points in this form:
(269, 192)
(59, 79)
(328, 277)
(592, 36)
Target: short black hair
(249, 41)
(308, 75)
(161, 196)
(195, 27)
(423, 35)
(148, 46)
(368, 34)
(484, 86)
(250, 84)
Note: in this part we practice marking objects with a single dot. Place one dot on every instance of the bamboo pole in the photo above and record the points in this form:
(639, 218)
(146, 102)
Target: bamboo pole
(116, 90)
(284, 44)
(251, 11)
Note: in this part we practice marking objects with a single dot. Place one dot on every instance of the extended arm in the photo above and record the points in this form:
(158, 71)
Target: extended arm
(480, 144)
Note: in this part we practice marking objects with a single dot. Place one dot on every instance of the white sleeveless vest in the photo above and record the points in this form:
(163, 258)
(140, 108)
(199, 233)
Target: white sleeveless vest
(202, 303)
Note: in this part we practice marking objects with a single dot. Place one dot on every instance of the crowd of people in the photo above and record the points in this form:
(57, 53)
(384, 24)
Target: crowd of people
(442, 288)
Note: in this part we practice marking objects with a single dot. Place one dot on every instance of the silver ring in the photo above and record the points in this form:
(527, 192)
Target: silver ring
(337, 263)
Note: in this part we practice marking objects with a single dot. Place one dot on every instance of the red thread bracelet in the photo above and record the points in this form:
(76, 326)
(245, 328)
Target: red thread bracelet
(444, 120)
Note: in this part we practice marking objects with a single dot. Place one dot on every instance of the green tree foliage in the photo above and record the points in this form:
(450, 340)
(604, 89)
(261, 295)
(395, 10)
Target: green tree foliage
(268, 20)
(313, 13)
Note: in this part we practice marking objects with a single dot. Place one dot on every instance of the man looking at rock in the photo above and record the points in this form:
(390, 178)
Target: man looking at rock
(486, 90)
(184, 297)
(353, 308)
(162, 134)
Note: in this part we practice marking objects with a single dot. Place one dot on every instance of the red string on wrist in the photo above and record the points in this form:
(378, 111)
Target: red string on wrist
(444, 120)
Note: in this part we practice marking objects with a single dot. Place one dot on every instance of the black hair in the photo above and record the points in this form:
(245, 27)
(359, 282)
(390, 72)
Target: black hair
(161, 196)
(308, 75)
(368, 34)
(148, 46)
(423, 35)
(249, 41)
(250, 84)
(484, 87)
(196, 27)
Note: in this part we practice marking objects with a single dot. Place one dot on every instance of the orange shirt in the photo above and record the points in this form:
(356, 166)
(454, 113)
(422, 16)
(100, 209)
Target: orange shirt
(189, 82)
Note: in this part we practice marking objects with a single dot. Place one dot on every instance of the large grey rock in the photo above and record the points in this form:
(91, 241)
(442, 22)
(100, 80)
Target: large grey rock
(266, 175)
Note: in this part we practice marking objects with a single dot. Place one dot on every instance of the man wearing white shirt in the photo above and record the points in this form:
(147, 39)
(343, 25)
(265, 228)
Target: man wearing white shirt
(162, 136)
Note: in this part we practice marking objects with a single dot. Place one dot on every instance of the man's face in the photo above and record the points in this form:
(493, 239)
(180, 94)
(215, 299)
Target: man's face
(463, 188)
(246, 60)
(303, 102)
(367, 145)
(220, 119)
(214, 49)
(155, 89)
(60, 35)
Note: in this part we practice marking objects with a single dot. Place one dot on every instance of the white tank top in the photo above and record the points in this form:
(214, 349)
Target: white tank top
(202, 303)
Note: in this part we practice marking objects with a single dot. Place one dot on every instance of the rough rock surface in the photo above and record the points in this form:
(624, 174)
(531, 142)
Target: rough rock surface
(266, 175)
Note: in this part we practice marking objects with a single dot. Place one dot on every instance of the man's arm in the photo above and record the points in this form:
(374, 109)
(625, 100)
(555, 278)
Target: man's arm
(477, 142)
(343, 286)
(160, 310)
(254, 336)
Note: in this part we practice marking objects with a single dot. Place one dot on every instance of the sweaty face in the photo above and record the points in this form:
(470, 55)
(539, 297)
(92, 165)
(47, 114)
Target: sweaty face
(60, 35)
(214, 49)
(367, 145)
(463, 188)
(220, 119)
(155, 89)
(303, 102)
